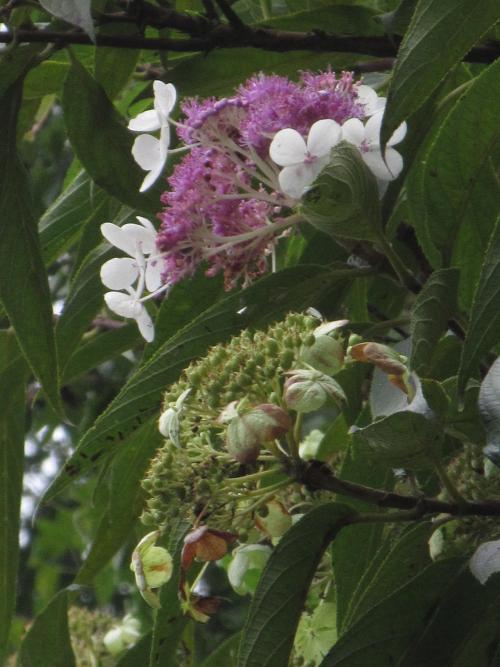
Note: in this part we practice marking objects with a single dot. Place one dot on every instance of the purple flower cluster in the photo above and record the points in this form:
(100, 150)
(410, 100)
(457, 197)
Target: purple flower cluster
(224, 205)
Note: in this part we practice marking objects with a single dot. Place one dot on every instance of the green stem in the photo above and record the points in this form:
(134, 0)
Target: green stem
(268, 490)
(237, 481)
(450, 488)
(265, 8)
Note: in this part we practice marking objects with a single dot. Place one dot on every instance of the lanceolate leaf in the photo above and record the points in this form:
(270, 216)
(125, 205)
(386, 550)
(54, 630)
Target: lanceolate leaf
(484, 328)
(403, 559)
(169, 620)
(344, 199)
(64, 221)
(124, 499)
(101, 141)
(382, 636)
(269, 630)
(47, 642)
(429, 321)
(452, 208)
(76, 12)
(13, 375)
(404, 439)
(423, 62)
(83, 302)
(24, 290)
(264, 302)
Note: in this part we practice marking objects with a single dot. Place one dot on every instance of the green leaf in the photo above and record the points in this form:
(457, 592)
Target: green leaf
(169, 620)
(125, 499)
(15, 63)
(63, 222)
(101, 141)
(353, 550)
(452, 209)
(265, 301)
(13, 376)
(76, 12)
(422, 62)
(274, 614)
(382, 636)
(343, 201)
(403, 558)
(402, 440)
(47, 642)
(459, 614)
(100, 348)
(138, 654)
(429, 320)
(45, 79)
(113, 67)
(24, 289)
(484, 328)
(225, 654)
(489, 409)
(85, 299)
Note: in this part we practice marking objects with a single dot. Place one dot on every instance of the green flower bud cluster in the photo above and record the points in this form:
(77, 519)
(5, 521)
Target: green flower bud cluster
(476, 479)
(194, 473)
(87, 630)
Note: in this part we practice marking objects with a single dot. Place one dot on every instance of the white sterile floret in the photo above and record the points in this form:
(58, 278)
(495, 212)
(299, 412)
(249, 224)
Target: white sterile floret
(149, 152)
(485, 561)
(302, 161)
(169, 422)
(370, 100)
(367, 139)
(142, 267)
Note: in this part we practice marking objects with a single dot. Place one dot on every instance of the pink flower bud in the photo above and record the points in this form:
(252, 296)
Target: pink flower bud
(247, 432)
(308, 390)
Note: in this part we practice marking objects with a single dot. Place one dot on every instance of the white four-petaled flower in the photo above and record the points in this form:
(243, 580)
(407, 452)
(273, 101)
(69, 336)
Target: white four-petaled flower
(142, 266)
(149, 152)
(367, 139)
(302, 161)
(370, 100)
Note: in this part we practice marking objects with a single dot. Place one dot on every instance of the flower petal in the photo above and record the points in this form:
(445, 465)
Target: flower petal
(387, 170)
(114, 235)
(141, 239)
(398, 135)
(119, 273)
(323, 135)
(485, 561)
(293, 180)
(372, 128)
(147, 121)
(353, 131)
(123, 304)
(147, 152)
(145, 324)
(146, 223)
(287, 148)
(368, 98)
(151, 178)
(165, 97)
(153, 274)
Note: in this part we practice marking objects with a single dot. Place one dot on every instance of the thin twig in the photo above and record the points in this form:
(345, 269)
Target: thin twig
(318, 476)
(226, 36)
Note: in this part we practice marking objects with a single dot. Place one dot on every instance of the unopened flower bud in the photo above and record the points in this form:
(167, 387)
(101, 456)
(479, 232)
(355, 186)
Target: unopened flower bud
(247, 432)
(308, 390)
(122, 636)
(276, 522)
(169, 421)
(382, 356)
(152, 567)
(248, 561)
(205, 544)
(326, 354)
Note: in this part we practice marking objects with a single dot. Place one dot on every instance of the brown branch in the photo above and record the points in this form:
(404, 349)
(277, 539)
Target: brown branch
(318, 476)
(225, 36)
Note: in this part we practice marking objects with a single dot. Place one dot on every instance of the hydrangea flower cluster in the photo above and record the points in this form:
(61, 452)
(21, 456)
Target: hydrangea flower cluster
(250, 158)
